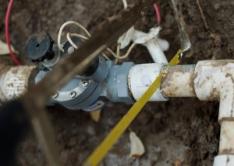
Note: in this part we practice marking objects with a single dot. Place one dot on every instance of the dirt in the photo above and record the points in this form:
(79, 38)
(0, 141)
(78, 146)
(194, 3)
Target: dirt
(183, 131)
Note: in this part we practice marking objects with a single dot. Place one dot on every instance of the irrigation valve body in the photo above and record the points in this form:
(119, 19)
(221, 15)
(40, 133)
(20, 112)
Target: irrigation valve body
(117, 82)
(126, 82)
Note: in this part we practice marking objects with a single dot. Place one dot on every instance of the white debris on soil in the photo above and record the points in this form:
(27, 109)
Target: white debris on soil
(4, 48)
(95, 115)
(137, 148)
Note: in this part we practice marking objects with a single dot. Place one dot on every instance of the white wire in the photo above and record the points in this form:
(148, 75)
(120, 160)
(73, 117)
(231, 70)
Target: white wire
(105, 56)
(85, 38)
(70, 41)
(116, 55)
(77, 35)
(111, 52)
(62, 28)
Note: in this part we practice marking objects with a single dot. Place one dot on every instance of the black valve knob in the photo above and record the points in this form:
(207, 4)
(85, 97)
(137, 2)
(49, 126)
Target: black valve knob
(39, 48)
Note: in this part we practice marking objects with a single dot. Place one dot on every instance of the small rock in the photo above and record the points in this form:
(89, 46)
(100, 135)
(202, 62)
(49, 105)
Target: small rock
(137, 148)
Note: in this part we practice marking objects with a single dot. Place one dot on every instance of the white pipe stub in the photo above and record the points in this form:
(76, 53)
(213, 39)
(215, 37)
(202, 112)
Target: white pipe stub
(150, 40)
(141, 76)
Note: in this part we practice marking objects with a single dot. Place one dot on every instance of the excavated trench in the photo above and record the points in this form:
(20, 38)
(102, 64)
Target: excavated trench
(177, 132)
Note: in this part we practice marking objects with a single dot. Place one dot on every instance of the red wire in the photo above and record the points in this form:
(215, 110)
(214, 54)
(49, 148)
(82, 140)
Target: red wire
(157, 13)
(7, 34)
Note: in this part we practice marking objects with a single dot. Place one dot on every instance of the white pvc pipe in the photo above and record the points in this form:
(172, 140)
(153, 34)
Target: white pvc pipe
(178, 81)
(226, 144)
(154, 44)
(156, 52)
(141, 76)
(224, 160)
(214, 80)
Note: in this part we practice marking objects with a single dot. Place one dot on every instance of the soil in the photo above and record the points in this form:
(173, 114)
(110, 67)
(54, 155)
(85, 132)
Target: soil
(178, 132)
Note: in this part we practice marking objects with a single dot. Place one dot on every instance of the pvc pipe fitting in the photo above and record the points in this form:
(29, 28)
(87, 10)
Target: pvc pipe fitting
(154, 44)
(214, 80)
(156, 52)
(141, 76)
